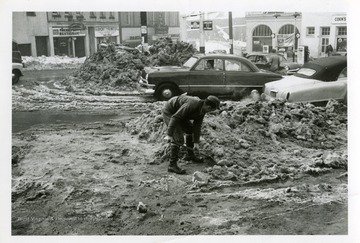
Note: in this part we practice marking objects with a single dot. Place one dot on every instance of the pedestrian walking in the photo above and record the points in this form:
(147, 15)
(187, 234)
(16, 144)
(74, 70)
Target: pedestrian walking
(274, 61)
(184, 115)
(329, 50)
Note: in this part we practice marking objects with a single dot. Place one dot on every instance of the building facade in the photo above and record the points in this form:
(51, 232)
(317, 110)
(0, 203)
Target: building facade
(283, 31)
(322, 29)
(79, 34)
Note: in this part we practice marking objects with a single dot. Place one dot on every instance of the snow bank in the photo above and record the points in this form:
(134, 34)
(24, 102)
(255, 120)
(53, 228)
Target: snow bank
(52, 62)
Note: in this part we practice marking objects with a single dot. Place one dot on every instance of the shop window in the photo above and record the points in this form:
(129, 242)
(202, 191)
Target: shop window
(310, 31)
(342, 30)
(32, 14)
(25, 49)
(341, 45)
(325, 30)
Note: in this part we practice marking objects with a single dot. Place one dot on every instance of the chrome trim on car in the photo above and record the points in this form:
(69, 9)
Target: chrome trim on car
(144, 83)
(273, 93)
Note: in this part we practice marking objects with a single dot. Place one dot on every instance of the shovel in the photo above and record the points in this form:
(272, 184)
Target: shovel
(208, 159)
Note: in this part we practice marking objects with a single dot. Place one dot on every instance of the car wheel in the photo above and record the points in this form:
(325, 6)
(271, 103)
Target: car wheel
(15, 76)
(166, 91)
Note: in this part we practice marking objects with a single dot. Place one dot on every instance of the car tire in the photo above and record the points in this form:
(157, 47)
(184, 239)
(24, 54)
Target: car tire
(166, 91)
(16, 76)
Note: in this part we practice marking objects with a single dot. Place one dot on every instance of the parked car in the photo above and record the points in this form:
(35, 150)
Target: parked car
(17, 63)
(317, 81)
(205, 74)
(261, 60)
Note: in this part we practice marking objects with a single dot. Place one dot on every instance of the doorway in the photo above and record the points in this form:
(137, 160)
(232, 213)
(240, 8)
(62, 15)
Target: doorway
(41, 46)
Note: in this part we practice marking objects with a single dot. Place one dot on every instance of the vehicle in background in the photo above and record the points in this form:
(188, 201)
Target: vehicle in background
(205, 74)
(17, 63)
(261, 60)
(317, 81)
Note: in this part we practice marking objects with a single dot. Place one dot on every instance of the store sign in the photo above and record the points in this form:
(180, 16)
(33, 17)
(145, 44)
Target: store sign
(195, 25)
(285, 40)
(105, 31)
(67, 32)
(339, 19)
(208, 25)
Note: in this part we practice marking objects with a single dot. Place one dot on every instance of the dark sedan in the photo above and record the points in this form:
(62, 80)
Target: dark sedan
(261, 60)
(202, 75)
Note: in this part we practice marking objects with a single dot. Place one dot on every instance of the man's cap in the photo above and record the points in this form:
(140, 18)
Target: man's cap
(214, 101)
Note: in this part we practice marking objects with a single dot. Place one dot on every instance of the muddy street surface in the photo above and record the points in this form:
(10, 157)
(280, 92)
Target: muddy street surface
(85, 164)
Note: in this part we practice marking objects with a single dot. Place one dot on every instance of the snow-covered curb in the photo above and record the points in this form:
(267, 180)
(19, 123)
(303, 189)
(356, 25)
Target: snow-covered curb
(52, 62)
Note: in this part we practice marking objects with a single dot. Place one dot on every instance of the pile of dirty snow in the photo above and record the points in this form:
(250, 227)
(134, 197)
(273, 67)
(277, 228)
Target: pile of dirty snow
(118, 67)
(53, 62)
(262, 141)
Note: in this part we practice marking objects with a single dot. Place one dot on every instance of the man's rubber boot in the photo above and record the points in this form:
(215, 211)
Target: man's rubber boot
(190, 156)
(173, 167)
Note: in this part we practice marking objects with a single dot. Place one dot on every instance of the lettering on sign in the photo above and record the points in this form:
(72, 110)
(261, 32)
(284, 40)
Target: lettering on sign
(67, 32)
(339, 19)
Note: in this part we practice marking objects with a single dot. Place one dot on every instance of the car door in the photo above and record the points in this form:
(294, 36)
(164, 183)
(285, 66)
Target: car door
(239, 75)
(204, 81)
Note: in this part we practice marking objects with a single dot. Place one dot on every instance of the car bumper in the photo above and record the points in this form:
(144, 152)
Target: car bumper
(145, 88)
(272, 96)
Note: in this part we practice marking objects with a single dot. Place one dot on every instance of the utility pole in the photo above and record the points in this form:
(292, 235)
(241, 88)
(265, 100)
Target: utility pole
(144, 30)
(296, 14)
(202, 40)
(231, 39)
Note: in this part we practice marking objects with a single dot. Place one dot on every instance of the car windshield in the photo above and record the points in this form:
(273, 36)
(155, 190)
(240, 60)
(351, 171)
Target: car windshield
(306, 72)
(189, 63)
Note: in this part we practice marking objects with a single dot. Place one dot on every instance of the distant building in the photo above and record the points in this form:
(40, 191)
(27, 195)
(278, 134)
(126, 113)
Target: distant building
(284, 30)
(81, 33)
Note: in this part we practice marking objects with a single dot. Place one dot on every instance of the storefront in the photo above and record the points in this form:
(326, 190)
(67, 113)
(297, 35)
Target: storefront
(68, 41)
(340, 34)
(106, 34)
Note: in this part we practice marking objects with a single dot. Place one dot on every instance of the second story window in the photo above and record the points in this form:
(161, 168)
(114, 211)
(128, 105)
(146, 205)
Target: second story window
(55, 14)
(92, 15)
(68, 14)
(310, 30)
(102, 15)
(111, 15)
(325, 30)
(342, 30)
(30, 14)
(79, 15)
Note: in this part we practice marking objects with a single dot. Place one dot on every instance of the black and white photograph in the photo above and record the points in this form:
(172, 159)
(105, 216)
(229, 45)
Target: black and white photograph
(159, 121)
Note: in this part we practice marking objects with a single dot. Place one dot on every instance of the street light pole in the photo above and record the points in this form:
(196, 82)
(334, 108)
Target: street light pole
(296, 14)
(202, 40)
(231, 38)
